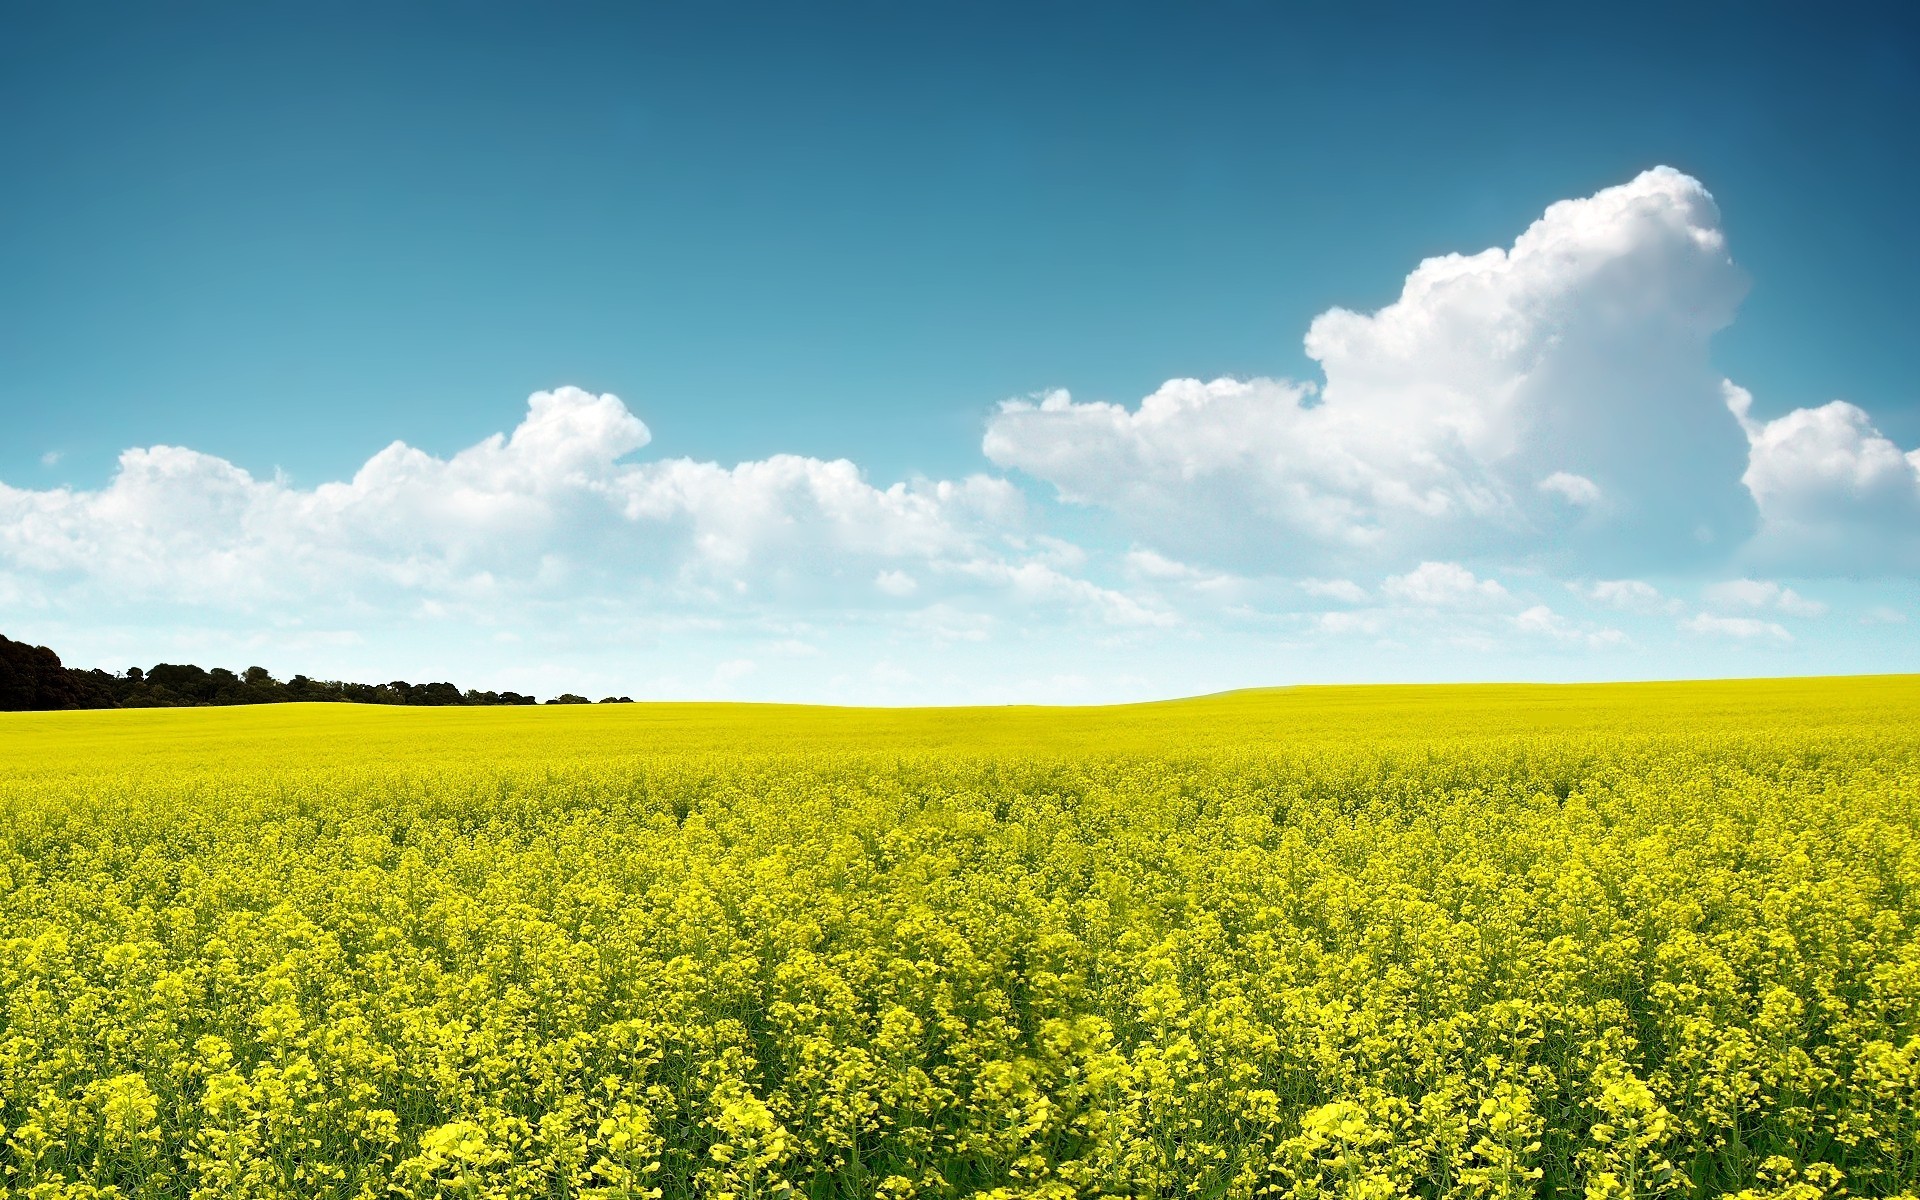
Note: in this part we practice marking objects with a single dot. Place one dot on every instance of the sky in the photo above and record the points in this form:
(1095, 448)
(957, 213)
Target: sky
(952, 353)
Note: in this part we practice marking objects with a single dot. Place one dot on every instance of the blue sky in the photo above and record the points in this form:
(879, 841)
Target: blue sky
(279, 239)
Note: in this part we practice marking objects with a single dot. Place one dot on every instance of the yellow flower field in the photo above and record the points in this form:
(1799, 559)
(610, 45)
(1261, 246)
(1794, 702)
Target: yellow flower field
(1633, 940)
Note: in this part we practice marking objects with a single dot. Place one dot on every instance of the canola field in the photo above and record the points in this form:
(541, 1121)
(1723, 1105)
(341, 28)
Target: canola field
(1621, 941)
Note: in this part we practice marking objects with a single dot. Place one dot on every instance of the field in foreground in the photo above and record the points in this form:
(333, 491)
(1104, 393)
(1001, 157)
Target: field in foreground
(1640, 940)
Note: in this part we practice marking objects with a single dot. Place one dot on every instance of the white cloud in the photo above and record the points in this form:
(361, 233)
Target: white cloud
(1626, 595)
(1552, 402)
(51, 458)
(1152, 573)
(1540, 619)
(1444, 585)
(1543, 621)
(1344, 590)
(1574, 489)
(1744, 628)
(1833, 492)
(1761, 594)
(551, 512)
(1883, 614)
(1460, 419)
(896, 583)
(1148, 564)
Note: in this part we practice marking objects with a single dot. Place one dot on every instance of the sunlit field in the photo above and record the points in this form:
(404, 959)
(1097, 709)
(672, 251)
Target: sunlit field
(1609, 941)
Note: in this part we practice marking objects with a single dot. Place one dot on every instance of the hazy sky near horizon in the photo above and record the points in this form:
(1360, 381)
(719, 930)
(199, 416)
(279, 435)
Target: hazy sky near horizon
(942, 352)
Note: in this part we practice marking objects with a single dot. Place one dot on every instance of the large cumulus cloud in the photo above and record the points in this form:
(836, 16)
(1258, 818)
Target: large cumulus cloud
(1555, 397)
(1553, 403)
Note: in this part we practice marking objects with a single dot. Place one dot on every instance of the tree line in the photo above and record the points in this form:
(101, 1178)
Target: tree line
(32, 678)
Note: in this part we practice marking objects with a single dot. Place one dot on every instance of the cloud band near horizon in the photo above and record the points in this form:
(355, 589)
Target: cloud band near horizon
(1524, 430)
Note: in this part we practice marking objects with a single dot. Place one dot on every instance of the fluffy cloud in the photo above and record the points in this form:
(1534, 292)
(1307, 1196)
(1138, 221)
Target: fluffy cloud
(1444, 585)
(1146, 564)
(1574, 489)
(1543, 621)
(1761, 594)
(1833, 492)
(551, 510)
(1625, 595)
(1552, 398)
